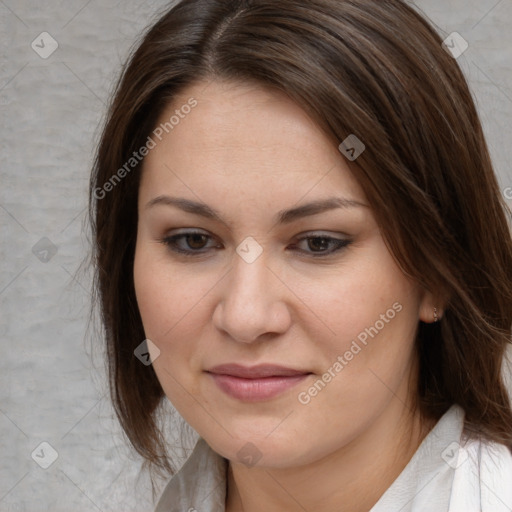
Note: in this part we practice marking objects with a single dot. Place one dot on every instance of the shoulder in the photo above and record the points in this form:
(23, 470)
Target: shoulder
(483, 477)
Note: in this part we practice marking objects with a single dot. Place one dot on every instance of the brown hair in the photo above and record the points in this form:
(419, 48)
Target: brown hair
(373, 68)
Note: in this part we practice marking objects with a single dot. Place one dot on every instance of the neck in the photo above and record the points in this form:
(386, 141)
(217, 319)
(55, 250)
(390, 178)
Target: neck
(351, 479)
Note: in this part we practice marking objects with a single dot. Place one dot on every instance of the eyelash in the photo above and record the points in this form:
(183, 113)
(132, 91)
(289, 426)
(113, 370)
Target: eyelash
(172, 241)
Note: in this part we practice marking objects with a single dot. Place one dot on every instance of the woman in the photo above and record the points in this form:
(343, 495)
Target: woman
(297, 224)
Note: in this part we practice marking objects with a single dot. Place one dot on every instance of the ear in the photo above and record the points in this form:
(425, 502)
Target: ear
(431, 307)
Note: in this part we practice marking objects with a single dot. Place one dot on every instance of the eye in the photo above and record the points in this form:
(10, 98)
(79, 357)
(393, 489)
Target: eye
(322, 245)
(195, 243)
(189, 243)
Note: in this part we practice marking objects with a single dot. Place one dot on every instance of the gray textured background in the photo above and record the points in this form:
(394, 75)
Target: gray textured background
(52, 387)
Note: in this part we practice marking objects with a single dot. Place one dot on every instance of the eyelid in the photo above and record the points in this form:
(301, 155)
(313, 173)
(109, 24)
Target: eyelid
(318, 233)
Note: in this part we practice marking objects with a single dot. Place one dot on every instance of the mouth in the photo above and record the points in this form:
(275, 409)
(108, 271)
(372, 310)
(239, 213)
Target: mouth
(256, 383)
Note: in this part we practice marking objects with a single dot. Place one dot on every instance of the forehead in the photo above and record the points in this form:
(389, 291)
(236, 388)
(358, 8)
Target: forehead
(245, 137)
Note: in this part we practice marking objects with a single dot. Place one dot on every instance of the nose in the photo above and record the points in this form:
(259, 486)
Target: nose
(252, 303)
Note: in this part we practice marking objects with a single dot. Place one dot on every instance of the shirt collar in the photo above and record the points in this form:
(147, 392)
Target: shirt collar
(199, 486)
(426, 481)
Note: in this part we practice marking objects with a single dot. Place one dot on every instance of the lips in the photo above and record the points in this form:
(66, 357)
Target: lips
(256, 383)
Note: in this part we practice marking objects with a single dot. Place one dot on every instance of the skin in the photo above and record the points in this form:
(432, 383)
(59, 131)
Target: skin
(249, 152)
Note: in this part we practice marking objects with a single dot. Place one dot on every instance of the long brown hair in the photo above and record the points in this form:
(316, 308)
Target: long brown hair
(373, 68)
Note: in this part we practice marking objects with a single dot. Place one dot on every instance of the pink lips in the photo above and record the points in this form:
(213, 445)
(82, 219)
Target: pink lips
(256, 383)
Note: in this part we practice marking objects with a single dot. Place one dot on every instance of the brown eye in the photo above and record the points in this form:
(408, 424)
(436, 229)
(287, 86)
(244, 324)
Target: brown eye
(318, 244)
(196, 240)
(190, 243)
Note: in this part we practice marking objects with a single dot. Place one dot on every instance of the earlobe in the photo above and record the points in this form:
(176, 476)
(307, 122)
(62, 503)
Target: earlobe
(430, 310)
(434, 315)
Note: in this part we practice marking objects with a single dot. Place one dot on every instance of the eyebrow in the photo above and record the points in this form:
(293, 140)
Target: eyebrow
(282, 217)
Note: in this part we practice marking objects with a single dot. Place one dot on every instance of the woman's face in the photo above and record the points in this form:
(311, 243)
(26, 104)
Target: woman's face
(256, 246)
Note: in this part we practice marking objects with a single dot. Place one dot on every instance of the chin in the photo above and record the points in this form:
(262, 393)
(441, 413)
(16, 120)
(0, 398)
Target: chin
(262, 450)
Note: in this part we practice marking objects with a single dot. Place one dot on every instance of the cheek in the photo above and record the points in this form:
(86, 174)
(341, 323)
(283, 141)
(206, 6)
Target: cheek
(369, 297)
(167, 310)
(164, 295)
(175, 311)
(153, 296)
(372, 314)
